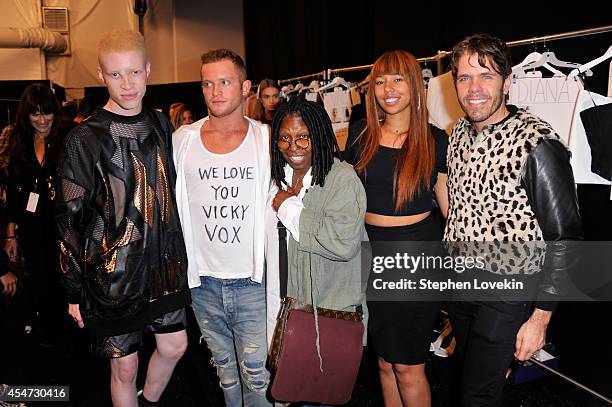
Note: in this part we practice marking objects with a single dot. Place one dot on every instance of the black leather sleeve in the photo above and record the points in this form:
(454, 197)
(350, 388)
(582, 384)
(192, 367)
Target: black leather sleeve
(549, 183)
(73, 209)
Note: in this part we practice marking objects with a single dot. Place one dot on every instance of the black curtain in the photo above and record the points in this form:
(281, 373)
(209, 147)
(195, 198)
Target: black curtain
(289, 38)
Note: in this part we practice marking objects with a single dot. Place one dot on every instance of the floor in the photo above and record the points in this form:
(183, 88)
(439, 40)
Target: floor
(585, 354)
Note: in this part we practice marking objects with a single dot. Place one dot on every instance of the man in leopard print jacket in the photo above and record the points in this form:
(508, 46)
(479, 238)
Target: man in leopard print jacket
(509, 181)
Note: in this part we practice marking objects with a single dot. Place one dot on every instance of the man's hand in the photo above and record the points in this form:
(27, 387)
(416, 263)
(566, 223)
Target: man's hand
(532, 335)
(75, 313)
(9, 284)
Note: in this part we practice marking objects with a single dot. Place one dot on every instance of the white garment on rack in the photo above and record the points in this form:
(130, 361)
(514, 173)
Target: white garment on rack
(311, 96)
(442, 104)
(338, 106)
(552, 99)
(579, 143)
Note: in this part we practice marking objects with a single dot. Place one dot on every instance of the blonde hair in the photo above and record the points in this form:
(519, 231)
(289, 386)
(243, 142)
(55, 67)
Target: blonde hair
(121, 41)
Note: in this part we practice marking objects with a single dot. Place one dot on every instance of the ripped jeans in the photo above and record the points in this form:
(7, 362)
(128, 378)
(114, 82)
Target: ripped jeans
(231, 314)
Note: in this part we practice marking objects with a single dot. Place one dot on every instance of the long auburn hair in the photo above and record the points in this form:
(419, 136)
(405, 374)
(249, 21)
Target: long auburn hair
(415, 159)
(36, 98)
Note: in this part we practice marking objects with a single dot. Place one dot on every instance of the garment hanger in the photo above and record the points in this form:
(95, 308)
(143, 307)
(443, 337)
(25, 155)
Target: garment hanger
(585, 68)
(526, 64)
(295, 89)
(550, 58)
(337, 81)
(427, 73)
(285, 89)
(312, 87)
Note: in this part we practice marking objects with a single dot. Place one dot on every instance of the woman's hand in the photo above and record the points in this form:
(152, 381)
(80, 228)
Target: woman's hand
(280, 197)
(10, 248)
(9, 284)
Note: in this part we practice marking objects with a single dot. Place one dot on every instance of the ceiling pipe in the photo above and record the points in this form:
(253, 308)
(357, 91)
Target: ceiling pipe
(49, 41)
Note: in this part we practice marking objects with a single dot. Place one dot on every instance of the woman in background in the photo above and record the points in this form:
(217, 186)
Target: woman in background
(31, 230)
(268, 94)
(180, 114)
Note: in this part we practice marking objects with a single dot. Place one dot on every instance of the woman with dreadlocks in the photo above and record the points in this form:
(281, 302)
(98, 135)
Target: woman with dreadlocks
(321, 202)
(401, 161)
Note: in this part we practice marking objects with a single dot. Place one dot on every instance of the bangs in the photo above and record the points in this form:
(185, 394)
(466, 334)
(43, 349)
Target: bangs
(45, 107)
(391, 63)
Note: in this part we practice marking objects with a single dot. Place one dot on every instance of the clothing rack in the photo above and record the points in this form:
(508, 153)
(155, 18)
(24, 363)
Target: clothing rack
(331, 72)
(327, 74)
(321, 74)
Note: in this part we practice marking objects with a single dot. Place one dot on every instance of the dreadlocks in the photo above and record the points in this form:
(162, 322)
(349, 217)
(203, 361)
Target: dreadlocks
(322, 139)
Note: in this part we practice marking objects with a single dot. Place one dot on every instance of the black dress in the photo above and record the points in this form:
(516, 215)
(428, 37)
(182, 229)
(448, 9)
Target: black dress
(36, 233)
(401, 331)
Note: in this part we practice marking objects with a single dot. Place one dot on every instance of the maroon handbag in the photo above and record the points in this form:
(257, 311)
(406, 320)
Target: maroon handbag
(295, 361)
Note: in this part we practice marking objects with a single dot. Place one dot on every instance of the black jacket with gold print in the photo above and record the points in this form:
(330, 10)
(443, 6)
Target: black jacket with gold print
(122, 252)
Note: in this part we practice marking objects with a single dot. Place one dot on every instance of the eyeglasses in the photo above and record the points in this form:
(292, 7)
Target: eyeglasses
(284, 143)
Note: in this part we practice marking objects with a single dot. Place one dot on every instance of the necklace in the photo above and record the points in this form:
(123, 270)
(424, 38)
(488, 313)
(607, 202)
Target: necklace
(397, 131)
(297, 181)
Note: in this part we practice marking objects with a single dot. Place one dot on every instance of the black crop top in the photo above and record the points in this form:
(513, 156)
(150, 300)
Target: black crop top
(377, 178)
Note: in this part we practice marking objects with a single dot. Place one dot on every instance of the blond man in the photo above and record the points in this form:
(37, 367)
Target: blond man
(122, 250)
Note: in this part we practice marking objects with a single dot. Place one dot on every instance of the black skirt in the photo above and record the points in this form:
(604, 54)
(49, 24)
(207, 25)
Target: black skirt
(401, 331)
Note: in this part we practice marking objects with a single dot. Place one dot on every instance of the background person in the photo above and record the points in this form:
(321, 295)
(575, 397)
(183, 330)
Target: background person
(268, 94)
(35, 144)
(180, 114)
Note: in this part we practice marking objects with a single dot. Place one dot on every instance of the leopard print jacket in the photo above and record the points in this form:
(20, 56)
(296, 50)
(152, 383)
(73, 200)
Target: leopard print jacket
(487, 201)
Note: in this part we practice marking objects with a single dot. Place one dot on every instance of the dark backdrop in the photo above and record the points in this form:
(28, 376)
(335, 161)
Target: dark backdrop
(289, 38)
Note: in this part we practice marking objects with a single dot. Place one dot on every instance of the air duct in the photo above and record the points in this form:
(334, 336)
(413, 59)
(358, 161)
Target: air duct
(49, 41)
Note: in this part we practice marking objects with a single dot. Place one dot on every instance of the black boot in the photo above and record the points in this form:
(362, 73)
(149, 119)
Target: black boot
(143, 402)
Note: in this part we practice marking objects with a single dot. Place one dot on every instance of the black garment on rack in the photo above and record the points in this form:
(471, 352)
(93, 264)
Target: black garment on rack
(597, 122)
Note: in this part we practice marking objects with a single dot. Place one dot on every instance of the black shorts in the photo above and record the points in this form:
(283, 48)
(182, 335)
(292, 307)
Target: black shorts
(122, 345)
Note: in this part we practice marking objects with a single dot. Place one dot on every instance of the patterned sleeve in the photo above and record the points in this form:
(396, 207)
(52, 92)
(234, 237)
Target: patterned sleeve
(167, 131)
(76, 178)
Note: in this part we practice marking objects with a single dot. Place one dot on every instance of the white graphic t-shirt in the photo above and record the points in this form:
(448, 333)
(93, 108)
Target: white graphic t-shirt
(221, 194)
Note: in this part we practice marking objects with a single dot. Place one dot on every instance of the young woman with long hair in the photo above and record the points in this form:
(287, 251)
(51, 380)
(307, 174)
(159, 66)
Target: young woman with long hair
(401, 160)
(31, 231)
